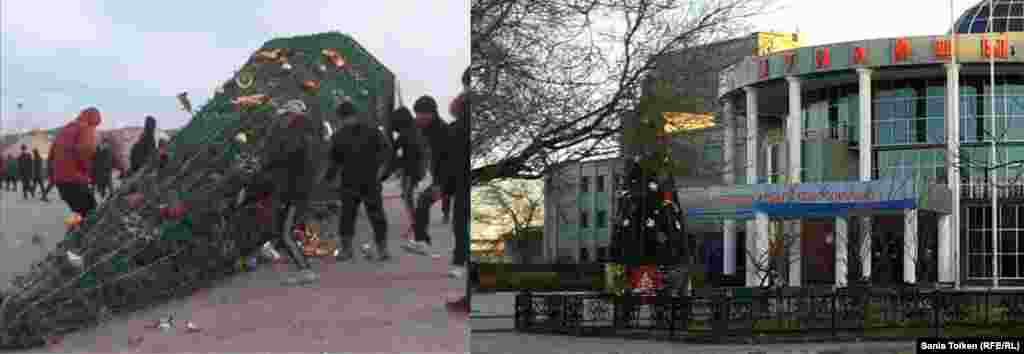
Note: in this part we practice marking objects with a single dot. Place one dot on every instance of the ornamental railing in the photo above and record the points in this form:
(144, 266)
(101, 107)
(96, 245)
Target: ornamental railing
(746, 315)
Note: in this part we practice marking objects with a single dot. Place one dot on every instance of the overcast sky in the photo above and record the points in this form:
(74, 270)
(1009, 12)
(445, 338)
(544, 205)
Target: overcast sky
(835, 21)
(130, 58)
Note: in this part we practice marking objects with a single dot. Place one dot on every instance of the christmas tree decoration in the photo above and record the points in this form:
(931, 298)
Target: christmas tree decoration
(311, 86)
(333, 58)
(73, 220)
(134, 255)
(241, 138)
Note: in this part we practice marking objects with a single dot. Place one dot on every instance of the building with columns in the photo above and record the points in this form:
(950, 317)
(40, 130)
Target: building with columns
(872, 159)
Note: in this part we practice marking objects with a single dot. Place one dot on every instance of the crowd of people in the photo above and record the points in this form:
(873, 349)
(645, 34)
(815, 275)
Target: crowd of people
(420, 142)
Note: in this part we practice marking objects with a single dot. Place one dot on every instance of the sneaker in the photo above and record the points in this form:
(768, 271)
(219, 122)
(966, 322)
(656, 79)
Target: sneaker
(343, 255)
(457, 273)
(460, 306)
(304, 276)
(416, 247)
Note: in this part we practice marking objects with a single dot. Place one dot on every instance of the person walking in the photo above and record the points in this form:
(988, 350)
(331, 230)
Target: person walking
(439, 139)
(3, 171)
(26, 172)
(144, 148)
(37, 171)
(460, 180)
(43, 179)
(357, 151)
(72, 152)
(408, 157)
(291, 168)
(102, 171)
(12, 173)
(448, 187)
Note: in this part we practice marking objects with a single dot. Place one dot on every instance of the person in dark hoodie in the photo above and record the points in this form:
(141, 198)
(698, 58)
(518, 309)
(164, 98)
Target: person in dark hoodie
(408, 156)
(439, 140)
(102, 168)
(27, 174)
(43, 177)
(357, 153)
(290, 163)
(145, 148)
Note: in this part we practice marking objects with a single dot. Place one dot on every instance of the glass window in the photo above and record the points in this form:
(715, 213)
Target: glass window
(599, 183)
(584, 184)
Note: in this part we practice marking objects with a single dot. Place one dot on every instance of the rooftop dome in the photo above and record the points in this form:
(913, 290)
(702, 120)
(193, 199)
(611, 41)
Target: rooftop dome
(1008, 15)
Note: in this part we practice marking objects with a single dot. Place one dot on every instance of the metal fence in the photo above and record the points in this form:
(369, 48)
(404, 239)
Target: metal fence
(755, 313)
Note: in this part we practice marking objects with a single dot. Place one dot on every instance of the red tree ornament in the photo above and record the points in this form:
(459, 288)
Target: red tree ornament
(134, 200)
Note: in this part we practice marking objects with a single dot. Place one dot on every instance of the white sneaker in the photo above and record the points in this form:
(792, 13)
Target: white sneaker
(457, 273)
(416, 247)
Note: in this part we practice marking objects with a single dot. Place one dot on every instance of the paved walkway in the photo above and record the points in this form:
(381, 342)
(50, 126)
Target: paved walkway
(356, 307)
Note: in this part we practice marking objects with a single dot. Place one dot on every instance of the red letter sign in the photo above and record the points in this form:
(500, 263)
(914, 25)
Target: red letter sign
(942, 48)
(901, 50)
(821, 58)
(764, 68)
(860, 56)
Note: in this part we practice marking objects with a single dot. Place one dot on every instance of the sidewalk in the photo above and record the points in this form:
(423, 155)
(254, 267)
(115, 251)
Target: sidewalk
(356, 307)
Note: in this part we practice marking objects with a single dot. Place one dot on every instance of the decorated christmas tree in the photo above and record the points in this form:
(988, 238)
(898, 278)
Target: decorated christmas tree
(174, 229)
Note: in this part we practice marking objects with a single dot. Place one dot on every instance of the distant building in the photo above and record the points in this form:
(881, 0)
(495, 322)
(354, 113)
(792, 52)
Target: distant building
(578, 207)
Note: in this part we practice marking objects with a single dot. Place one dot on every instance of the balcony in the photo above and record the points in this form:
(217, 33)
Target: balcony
(981, 191)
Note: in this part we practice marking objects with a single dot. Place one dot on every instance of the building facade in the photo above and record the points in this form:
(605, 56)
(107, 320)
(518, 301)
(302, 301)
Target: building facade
(578, 207)
(849, 120)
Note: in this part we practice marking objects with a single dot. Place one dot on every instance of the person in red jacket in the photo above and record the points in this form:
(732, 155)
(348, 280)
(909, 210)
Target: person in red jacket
(72, 153)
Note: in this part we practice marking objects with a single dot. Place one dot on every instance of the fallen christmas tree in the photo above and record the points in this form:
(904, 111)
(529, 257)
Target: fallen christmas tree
(169, 231)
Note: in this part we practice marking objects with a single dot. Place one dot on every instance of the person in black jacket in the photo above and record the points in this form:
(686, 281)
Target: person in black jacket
(27, 174)
(145, 148)
(408, 156)
(41, 172)
(460, 184)
(439, 141)
(102, 168)
(358, 150)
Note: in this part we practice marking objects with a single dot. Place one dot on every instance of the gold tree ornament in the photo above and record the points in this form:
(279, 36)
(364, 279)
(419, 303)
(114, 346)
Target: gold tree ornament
(245, 79)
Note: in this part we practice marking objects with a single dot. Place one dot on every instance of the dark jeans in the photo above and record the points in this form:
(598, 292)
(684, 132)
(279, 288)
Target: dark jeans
(421, 220)
(78, 196)
(460, 222)
(103, 189)
(460, 227)
(44, 187)
(372, 200)
(28, 187)
(289, 213)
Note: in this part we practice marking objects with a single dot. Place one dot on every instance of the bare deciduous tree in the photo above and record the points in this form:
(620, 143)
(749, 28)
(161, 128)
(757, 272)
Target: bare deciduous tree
(554, 77)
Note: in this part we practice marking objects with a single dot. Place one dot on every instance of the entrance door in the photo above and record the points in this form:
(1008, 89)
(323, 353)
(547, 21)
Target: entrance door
(816, 250)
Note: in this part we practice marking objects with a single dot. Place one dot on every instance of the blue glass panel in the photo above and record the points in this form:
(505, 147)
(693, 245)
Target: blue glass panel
(979, 26)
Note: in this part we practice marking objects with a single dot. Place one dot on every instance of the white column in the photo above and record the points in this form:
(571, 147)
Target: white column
(910, 246)
(949, 242)
(794, 137)
(943, 255)
(729, 178)
(794, 140)
(759, 249)
(839, 242)
(751, 165)
(864, 147)
(752, 131)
